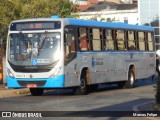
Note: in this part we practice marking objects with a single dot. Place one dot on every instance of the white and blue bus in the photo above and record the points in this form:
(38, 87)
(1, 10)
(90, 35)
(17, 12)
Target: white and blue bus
(53, 53)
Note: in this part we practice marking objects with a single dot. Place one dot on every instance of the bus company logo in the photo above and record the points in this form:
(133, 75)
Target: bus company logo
(93, 62)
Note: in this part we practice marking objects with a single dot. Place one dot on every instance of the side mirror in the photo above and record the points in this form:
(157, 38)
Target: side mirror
(69, 39)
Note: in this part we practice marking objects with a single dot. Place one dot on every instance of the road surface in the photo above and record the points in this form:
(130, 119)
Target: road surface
(106, 98)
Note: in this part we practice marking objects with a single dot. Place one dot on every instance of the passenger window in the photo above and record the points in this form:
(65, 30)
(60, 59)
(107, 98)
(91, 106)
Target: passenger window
(96, 40)
(141, 41)
(120, 40)
(150, 42)
(109, 41)
(83, 40)
(131, 41)
(69, 44)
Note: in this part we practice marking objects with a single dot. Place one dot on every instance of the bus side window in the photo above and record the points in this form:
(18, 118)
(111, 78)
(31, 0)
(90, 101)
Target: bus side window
(69, 44)
(70, 48)
(96, 39)
(120, 40)
(66, 47)
(109, 41)
(141, 41)
(150, 42)
(83, 40)
(131, 40)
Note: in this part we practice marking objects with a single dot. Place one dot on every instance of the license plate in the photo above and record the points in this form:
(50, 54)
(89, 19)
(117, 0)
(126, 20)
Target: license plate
(31, 85)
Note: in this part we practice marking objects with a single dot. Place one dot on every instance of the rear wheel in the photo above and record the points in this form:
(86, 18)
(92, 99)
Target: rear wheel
(131, 79)
(36, 91)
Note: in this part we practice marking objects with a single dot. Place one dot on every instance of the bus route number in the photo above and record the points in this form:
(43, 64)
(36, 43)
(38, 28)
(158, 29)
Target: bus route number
(20, 75)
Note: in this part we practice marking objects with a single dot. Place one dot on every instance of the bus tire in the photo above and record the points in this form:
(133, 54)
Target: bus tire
(131, 80)
(82, 88)
(36, 91)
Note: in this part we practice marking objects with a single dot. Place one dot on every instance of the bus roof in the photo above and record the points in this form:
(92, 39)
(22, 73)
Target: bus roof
(93, 23)
(113, 25)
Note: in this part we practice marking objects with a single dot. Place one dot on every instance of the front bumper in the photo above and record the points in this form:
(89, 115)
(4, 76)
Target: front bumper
(56, 82)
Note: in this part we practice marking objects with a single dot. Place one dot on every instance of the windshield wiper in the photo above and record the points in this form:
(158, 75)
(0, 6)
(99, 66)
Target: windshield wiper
(41, 42)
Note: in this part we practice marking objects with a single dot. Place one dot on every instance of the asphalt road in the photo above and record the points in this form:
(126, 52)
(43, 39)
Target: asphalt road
(106, 98)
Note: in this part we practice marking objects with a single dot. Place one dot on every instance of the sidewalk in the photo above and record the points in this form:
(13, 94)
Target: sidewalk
(5, 92)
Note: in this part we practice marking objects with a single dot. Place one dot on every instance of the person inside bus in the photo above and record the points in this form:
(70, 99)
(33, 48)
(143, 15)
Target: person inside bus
(84, 45)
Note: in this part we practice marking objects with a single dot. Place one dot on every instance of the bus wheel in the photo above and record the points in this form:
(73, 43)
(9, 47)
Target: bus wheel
(131, 79)
(81, 90)
(36, 91)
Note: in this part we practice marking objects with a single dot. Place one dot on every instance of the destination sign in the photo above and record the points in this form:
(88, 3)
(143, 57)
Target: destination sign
(35, 25)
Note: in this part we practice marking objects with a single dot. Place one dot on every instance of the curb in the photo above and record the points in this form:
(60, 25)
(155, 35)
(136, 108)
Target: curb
(5, 92)
(21, 92)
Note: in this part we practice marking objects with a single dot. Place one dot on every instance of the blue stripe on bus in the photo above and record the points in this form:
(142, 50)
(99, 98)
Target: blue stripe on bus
(56, 82)
(92, 23)
(132, 52)
(12, 82)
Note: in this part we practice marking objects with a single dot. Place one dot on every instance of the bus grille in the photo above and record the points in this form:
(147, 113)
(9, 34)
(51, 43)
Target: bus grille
(32, 70)
(25, 83)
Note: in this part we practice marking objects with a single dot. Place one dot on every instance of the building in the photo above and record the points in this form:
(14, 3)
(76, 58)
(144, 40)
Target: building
(149, 15)
(111, 12)
(86, 2)
(83, 4)
(80, 2)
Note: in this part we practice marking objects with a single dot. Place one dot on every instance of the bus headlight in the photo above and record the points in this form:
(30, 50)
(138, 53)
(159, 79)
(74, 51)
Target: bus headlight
(55, 72)
(9, 73)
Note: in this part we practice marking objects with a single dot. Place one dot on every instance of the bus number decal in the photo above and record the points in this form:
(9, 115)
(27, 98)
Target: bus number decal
(20, 75)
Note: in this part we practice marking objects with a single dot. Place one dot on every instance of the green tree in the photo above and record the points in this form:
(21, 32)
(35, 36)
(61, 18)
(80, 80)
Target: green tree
(21, 9)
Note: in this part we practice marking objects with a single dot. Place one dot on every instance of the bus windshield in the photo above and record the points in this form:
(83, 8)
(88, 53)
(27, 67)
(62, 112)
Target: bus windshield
(33, 49)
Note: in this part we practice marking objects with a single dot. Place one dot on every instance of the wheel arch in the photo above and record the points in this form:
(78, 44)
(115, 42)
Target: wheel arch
(85, 72)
